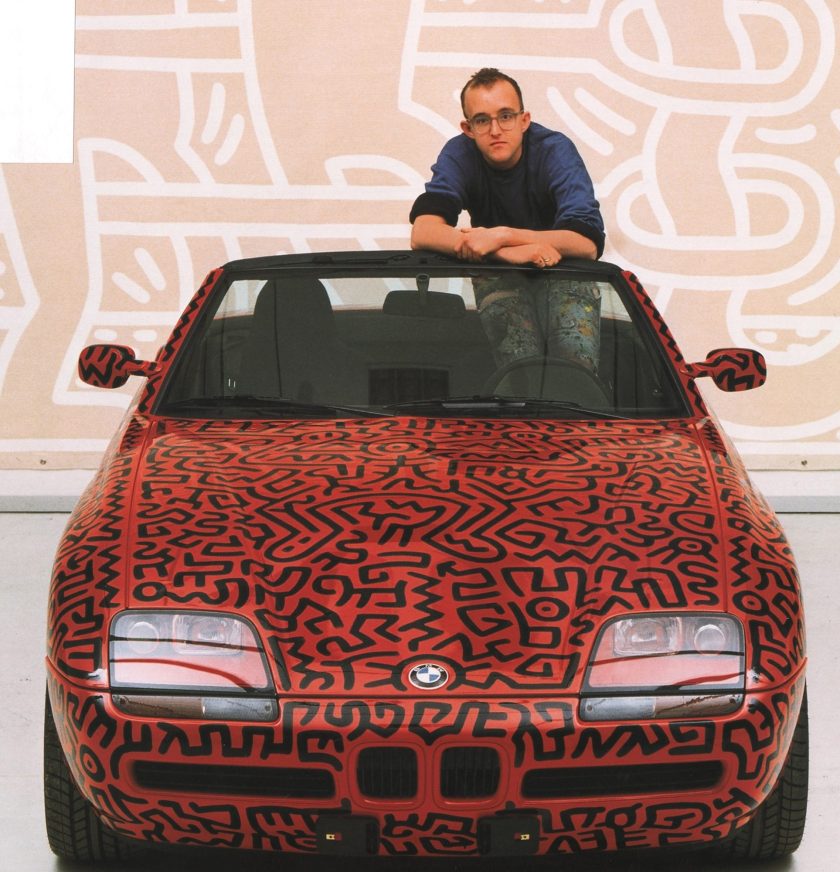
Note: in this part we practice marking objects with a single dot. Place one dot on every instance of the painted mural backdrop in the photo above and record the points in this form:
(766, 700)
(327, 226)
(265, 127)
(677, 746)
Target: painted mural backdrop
(207, 130)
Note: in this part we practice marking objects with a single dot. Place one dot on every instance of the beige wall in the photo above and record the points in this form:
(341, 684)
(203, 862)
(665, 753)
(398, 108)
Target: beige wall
(207, 130)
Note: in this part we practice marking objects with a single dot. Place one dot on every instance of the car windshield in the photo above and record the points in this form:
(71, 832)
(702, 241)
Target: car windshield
(454, 341)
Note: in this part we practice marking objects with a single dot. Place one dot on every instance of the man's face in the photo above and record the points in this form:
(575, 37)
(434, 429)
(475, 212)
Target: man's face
(500, 148)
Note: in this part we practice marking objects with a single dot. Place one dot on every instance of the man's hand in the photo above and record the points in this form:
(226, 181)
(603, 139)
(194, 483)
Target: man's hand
(538, 247)
(537, 254)
(478, 242)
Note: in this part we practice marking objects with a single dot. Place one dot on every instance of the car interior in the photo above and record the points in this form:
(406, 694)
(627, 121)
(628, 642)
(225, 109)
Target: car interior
(411, 346)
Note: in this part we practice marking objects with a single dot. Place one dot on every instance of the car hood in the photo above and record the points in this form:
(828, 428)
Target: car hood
(363, 548)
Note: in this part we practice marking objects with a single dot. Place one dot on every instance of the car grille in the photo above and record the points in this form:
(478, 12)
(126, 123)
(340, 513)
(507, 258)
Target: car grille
(387, 773)
(613, 780)
(469, 773)
(392, 773)
(235, 780)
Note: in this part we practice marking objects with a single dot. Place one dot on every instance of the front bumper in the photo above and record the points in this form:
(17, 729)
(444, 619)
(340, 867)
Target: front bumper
(318, 778)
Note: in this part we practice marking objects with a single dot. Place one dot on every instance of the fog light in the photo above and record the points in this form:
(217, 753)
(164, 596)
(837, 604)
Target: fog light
(633, 708)
(196, 707)
(617, 708)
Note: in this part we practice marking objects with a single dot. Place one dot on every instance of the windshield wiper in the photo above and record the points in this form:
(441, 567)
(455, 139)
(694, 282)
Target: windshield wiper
(278, 405)
(494, 401)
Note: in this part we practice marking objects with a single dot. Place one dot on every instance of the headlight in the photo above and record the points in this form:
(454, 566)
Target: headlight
(667, 666)
(189, 664)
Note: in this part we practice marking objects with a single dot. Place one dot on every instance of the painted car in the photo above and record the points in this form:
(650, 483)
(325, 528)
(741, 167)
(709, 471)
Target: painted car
(357, 577)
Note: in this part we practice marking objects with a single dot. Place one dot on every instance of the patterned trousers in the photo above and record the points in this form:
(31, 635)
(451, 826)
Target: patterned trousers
(548, 317)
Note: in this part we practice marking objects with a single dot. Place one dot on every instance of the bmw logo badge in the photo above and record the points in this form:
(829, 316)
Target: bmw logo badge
(428, 676)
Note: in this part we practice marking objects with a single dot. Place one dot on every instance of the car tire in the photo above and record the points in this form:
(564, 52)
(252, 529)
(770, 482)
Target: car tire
(74, 830)
(776, 829)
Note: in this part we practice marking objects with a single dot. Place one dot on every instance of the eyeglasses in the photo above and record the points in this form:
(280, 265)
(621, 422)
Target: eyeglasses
(505, 119)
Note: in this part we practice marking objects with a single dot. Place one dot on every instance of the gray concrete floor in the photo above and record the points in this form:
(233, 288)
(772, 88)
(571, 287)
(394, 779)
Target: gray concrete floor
(27, 544)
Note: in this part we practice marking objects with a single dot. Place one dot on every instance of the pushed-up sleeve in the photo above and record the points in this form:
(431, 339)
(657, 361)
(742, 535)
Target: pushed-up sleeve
(575, 205)
(446, 192)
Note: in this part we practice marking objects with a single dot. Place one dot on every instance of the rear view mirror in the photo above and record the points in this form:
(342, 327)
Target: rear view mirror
(424, 304)
(732, 369)
(109, 366)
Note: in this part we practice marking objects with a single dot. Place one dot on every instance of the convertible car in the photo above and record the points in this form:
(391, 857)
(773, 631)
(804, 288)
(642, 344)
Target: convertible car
(367, 570)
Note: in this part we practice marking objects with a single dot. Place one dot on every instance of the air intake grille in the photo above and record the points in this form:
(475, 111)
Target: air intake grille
(469, 773)
(387, 773)
(235, 780)
(581, 781)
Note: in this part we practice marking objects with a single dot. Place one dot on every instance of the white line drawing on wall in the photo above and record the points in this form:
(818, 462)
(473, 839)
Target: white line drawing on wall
(226, 123)
(19, 300)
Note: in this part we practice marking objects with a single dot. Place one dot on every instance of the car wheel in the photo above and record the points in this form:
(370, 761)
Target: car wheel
(777, 827)
(73, 829)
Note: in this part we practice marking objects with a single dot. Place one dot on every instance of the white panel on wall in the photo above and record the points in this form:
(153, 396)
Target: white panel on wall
(36, 81)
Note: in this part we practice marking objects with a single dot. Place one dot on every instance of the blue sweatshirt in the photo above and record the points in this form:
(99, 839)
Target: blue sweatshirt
(548, 189)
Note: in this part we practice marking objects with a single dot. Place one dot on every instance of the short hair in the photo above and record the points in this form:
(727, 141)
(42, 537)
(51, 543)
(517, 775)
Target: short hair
(485, 78)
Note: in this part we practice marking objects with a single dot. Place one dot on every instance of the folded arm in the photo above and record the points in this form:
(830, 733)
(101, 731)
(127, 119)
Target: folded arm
(510, 244)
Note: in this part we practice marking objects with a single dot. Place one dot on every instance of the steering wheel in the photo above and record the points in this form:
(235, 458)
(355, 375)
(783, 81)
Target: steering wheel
(554, 378)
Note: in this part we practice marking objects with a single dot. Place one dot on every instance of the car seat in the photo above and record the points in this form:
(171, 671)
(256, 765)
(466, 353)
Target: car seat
(293, 350)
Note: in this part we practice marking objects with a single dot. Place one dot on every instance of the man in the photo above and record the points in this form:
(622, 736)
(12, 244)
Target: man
(531, 201)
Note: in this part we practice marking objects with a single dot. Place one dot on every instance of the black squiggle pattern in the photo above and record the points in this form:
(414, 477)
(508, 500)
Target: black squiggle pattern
(497, 548)
(107, 366)
(323, 734)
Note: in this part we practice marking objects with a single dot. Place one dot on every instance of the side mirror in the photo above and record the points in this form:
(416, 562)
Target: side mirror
(731, 369)
(109, 366)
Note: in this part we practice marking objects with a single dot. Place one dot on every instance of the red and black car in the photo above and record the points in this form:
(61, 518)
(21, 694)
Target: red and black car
(356, 577)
